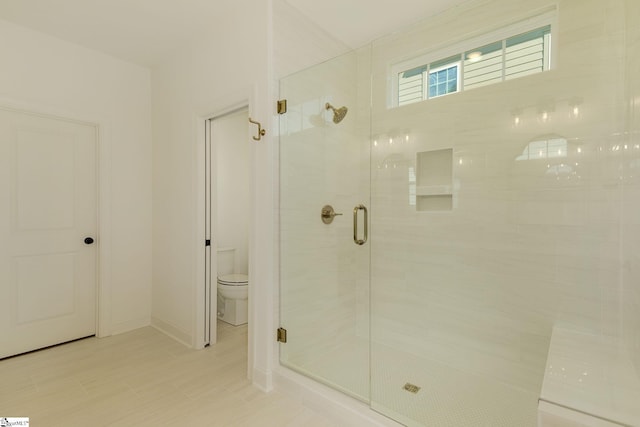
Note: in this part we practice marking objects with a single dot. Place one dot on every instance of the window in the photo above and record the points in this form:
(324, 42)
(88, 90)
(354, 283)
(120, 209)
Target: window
(443, 77)
(515, 51)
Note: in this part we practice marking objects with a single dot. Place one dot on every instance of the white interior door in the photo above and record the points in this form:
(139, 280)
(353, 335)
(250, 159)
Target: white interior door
(47, 210)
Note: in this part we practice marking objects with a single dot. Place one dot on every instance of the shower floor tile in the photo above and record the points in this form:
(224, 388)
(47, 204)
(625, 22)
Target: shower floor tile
(448, 397)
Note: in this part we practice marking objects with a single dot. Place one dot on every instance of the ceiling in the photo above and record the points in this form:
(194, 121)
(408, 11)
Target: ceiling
(145, 31)
(356, 22)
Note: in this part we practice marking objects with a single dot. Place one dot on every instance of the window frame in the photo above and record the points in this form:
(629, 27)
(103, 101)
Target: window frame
(547, 17)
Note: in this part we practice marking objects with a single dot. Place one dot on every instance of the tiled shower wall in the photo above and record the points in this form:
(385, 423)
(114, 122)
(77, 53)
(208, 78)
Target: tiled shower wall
(528, 244)
(631, 200)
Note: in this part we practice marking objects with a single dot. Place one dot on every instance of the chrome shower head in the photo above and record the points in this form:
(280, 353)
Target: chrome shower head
(338, 113)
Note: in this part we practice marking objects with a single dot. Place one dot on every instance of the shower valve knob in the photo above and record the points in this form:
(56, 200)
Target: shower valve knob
(327, 214)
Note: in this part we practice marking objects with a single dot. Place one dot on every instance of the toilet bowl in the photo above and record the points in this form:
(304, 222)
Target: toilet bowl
(233, 294)
(234, 286)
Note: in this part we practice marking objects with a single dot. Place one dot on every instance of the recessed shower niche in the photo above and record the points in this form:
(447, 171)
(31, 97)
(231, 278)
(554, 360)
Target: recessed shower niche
(434, 180)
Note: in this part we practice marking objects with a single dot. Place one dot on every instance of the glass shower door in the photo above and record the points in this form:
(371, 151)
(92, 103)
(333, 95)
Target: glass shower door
(324, 256)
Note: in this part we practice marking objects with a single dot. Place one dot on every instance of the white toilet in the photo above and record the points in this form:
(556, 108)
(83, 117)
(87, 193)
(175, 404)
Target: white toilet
(233, 289)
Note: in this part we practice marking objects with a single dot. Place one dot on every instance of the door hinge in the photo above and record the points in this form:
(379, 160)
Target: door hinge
(207, 242)
(282, 106)
(282, 335)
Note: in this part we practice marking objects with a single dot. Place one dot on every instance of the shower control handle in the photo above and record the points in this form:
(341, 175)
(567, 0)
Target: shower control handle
(355, 225)
(327, 214)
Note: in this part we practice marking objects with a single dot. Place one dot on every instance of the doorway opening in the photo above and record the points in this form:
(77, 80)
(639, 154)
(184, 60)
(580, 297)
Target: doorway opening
(227, 217)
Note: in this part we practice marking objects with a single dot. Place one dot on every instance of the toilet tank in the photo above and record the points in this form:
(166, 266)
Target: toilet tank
(226, 261)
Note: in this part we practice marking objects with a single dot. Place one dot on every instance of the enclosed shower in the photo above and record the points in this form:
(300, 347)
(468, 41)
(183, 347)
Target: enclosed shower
(482, 257)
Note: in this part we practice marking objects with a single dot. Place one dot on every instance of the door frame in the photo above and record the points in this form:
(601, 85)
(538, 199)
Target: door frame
(103, 326)
(202, 124)
(210, 298)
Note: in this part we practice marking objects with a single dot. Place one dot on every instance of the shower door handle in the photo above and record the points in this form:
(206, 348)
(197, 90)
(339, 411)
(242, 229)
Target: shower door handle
(355, 225)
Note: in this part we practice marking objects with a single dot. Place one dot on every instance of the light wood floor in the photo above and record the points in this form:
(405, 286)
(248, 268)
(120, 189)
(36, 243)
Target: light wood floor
(144, 378)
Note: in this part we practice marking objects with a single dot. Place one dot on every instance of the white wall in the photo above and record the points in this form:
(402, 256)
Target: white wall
(299, 43)
(231, 157)
(45, 74)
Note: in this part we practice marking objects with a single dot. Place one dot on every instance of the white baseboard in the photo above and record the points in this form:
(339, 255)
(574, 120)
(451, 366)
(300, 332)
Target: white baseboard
(129, 325)
(262, 380)
(175, 333)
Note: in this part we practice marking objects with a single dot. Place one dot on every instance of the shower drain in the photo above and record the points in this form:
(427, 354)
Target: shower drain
(411, 388)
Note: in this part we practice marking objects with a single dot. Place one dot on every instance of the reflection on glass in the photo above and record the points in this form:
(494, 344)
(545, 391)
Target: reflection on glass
(412, 186)
(547, 148)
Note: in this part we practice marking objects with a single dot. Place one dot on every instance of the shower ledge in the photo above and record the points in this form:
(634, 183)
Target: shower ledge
(589, 381)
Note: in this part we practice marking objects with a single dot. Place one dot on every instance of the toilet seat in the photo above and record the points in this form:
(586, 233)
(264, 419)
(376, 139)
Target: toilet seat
(234, 280)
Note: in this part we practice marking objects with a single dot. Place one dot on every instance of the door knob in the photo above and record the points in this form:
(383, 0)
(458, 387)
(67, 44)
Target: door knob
(327, 214)
(88, 240)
